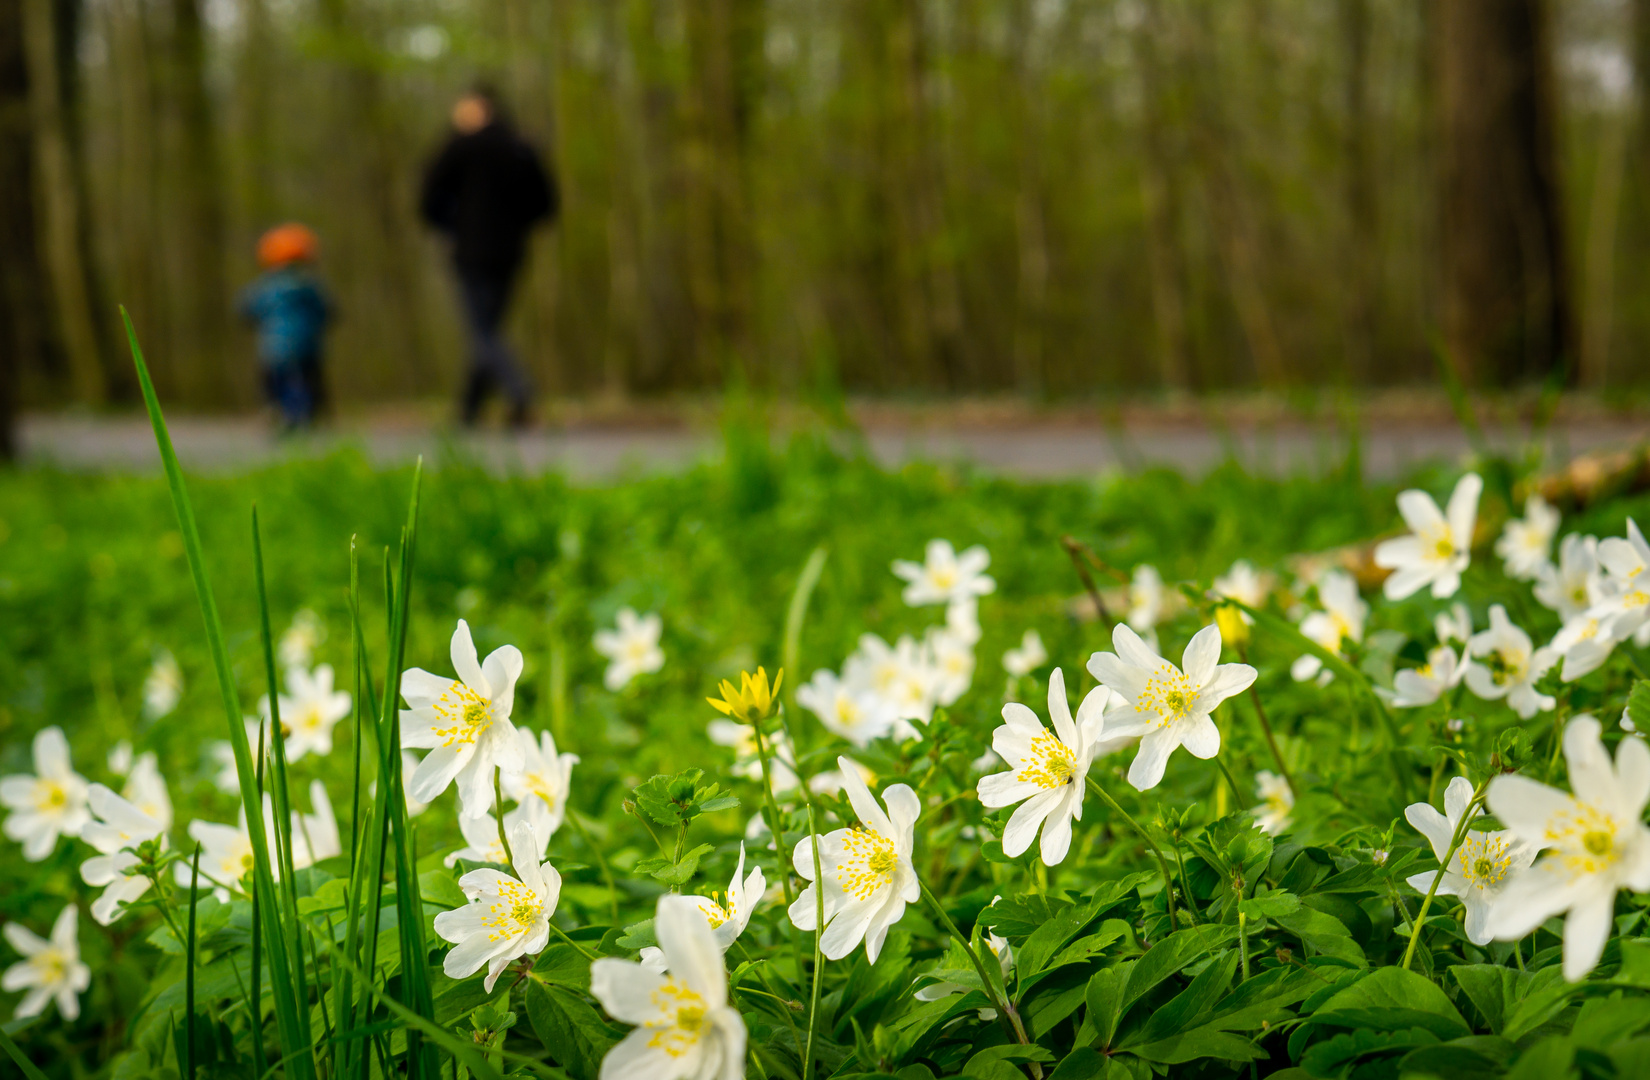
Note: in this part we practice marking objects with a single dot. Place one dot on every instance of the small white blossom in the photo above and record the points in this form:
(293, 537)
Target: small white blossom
(831, 782)
(1341, 620)
(728, 915)
(1026, 657)
(1148, 602)
(482, 842)
(48, 804)
(950, 659)
(1439, 547)
(1272, 816)
(50, 969)
(1167, 706)
(314, 835)
(298, 644)
(1584, 643)
(1000, 948)
(310, 709)
(685, 1028)
(1504, 665)
(867, 874)
(1244, 584)
(1574, 584)
(1453, 626)
(962, 621)
(631, 647)
(121, 822)
(120, 758)
(163, 687)
(1624, 604)
(1526, 544)
(901, 675)
(464, 722)
(1415, 687)
(946, 576)
(507, 917)
(1047, 769)
(1595, 839)
(542, 780)
(1482, 865)
(228, 777)
(852, 713)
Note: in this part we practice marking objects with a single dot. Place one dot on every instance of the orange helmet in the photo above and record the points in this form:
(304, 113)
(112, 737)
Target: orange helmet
(287, 243)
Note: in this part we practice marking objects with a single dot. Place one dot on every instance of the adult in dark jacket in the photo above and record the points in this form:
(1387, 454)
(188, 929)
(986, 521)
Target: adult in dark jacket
(486, 190)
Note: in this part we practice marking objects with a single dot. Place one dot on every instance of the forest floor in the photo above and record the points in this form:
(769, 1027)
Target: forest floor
(595, 443)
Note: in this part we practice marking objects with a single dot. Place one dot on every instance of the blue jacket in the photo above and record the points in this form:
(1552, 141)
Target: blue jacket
(291, 310)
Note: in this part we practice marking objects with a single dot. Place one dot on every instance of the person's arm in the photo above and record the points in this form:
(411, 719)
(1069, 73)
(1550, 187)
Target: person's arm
(539, 197)
(435, 202)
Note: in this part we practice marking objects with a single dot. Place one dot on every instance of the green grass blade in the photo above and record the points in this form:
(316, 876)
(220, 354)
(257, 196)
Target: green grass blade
(421, 1025)
(15, 1052)
(795, 616)
(290, 1020)
(189, 968)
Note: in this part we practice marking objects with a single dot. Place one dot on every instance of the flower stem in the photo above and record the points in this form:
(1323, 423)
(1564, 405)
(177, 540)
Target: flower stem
(601, 862)
(563, 935)
(1266, 728)
(1443, 867)
(1243, 942)
(1006, 1007)
(498, 811)
(1168, 877)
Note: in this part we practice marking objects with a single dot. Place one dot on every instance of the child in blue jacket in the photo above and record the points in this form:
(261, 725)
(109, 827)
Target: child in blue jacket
(290, 309)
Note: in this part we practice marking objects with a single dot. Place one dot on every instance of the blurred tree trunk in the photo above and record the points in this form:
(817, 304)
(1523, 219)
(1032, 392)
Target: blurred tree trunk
(1161, 198)
(623, 335)
(63, 230)
(1030, 218)
(257, 74)
(25, 332)
(1507, 313)
(1359, 318)
(724, 39)
(202, 231)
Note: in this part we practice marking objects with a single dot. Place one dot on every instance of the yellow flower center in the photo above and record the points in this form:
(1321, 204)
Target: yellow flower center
(467, 714)
(1505, 667)
(867, 864)
(309, 719)
(1484, 860)
(1049, 765)
(1168, 696)
(1444, 547)
(539, 785)
(1585, 837)
(943, 577)
(1636, 598)
(516, 909)
(636, 650)
(51, 796)
(847, 712)
(716, 912)
(682, 1018)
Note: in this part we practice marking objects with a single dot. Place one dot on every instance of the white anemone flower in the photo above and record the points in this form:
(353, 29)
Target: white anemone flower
(464, 722)
(831, 782)
(685, 1027)
(1047, 769)
(950, 662)
(542, 777)
(748, 755)
(298, 644)
(1027, 656)
(506, 917)
(1453, 625)
(1504, 665)
(228, 777)
(1585, 643)
(310, 709)
(48, 804)
(900, 674)
(962, 621)
(1341, 620)
(851, 713)
(631, 647)
(314, 835)
(726, 915)
(1573, 585)
(1414, 687)
(1167, 706)
(163, 687)
(409, 766)
(1000, 948)
(1273, 815)
(118, 824)
(1624, 608)
(120, 758)
(1483, 864)
(225, 857)
(482, 842)
(1148, 602)
(1526, 544)
(1595, 839)
(1439, 547)
(1244, 584)
(867, 874)
(945, 576)
(50, 969)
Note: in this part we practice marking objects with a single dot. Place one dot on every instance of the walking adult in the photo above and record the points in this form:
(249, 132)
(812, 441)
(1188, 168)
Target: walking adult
(486, 190)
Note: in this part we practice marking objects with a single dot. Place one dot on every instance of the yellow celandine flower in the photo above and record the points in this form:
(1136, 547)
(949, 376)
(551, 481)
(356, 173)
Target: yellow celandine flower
(754, 699)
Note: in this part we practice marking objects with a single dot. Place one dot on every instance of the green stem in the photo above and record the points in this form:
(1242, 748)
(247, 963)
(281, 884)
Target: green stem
(1237, 794)
(1266, 729)
(1443, 867)
(498, 819)
(1163, 863)
(1010, 1016)
(1186, 886)
(601, 862)
(563, 935)
(1243, 942)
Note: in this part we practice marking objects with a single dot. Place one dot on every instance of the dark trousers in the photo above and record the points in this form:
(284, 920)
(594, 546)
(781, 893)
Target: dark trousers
(493, 365)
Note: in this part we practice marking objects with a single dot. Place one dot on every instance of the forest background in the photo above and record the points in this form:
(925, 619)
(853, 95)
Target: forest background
(1048, 198)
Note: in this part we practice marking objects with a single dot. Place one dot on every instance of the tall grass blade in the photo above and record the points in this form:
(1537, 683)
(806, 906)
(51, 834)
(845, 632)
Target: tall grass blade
(191, 949)
(291, 1019)
(15, 1052)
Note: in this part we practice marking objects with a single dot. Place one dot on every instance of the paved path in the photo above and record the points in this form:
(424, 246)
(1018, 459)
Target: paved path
(596, 454)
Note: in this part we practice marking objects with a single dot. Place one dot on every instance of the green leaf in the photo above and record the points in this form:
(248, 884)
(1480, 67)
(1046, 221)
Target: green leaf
(437, 887)
(1188, 1007)
(569, 1028)
(721, 802)
(1638, 703)
(998, 1062)
(1171, 954)
(1544, 996)
(1471, 1058)
(1392, 999)
(1323, 932)
(638, 936)
(1018, 917)
(1199, 1043)
(1080, 1064)
(1491, 988)
(1333, 1055)
(1105, 1001)
(1270, 903)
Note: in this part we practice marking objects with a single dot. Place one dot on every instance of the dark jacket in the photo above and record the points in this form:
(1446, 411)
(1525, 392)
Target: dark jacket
(487, 190)
(291, 310)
